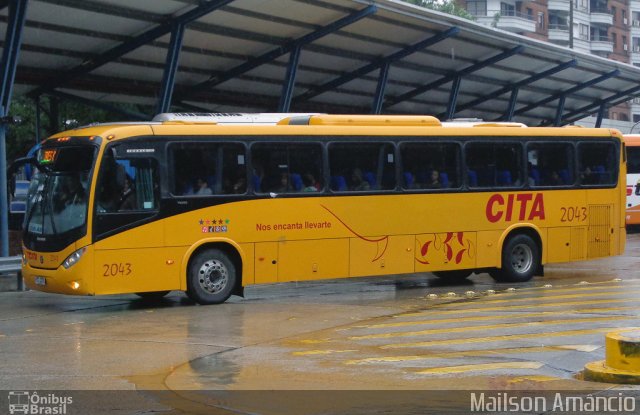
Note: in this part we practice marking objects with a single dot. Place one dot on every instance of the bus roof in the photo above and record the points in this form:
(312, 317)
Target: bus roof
(331, 124)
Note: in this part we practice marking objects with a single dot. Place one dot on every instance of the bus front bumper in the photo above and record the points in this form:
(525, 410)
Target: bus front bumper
(74, 281)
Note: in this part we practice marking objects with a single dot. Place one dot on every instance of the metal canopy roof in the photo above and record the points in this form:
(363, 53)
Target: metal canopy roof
(338, 56)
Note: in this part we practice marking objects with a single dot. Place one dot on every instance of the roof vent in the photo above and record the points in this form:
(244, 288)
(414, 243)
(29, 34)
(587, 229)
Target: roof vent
(365, 120)
(222, 118)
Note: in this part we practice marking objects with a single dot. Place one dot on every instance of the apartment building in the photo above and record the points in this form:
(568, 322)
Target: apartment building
(607, 28)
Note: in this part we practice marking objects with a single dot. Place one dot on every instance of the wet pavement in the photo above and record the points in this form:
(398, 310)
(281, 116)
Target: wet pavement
(385, 333)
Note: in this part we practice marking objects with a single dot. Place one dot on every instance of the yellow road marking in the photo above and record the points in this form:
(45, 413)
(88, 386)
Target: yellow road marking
(611, 283)
(507, 337)
(533, 378)
(475, 353)
(514, 307)
(570, 288)
(316, 352)
(488, 327)
(548, 297)
(313, 341)
(480, 367)
(483, 318)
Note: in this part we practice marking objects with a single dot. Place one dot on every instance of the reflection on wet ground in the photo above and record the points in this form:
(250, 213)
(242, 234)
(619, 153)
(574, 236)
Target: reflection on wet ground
(387, 333)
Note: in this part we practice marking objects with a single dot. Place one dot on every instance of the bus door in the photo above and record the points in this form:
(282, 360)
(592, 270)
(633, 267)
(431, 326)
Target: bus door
(129, 240)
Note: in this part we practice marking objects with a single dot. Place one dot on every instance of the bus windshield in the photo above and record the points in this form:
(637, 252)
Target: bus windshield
(58, 194)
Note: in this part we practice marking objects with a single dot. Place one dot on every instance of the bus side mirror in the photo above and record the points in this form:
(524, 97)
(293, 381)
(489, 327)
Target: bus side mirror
(13, 168)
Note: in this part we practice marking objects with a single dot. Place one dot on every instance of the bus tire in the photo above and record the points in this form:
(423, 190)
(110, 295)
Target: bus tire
(211, 277)
(453, 276)
(152, 295)
(520, 260)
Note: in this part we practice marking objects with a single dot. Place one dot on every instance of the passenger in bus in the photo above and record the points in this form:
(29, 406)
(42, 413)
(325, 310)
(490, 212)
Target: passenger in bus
(257, 177)
(555, 179)
(409, 180)
(309, 182)
(108, 197)
(240, 184)
(357, 181)
(127, 197)
(588, 176)
(203, 187)
(434, 181)
(184, 188)
(283, 184)
(72, 193)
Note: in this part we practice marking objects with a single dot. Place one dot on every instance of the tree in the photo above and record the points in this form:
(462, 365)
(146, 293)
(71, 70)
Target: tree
(56, 116)
(445, 6)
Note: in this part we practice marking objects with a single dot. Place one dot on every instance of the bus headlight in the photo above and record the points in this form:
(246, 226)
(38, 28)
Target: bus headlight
(73, 258)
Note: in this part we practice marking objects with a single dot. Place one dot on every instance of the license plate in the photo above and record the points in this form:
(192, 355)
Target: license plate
(41, 281)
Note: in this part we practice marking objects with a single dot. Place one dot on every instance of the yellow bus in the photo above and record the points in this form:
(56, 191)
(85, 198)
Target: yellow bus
(208, 206)
(632, 142)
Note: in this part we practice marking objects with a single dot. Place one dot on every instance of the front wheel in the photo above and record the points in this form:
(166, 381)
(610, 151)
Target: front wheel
(211, 278)
(520, 260)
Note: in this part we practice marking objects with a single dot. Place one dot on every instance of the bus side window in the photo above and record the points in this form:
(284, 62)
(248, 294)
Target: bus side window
(361, 166)
(430, 165)
(128, 185)
(597, 163)
(206, 168)
(633, 159)
(494, 164)
(287, 167)
(550, 164)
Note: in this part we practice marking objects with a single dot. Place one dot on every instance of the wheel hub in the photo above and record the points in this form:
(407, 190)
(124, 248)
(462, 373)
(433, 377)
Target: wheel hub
(213, 276)
(521, 258)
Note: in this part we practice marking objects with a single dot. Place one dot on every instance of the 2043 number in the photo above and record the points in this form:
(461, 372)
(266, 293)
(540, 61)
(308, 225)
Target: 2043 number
(573, 214)
(116, 269)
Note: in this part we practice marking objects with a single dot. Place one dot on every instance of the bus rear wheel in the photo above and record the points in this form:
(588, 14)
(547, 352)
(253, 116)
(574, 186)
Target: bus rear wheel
(520, 260)
(453, 276)
(211, 278)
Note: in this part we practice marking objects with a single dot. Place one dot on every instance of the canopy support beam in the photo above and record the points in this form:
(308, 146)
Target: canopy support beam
(370, 67)
(8, 66)
(509, 88)
(560, 111)
(130, 45)
(569, 91)
(448, 78)
(453, 98)
(273, 54)
(383, 77)
(513, 100)
(170, 69)
(289, 80)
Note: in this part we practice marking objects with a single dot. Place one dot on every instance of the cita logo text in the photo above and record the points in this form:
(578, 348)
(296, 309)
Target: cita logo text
(32, 403)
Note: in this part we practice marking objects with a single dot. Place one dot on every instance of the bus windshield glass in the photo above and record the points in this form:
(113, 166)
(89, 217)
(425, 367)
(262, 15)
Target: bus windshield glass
(58, 194)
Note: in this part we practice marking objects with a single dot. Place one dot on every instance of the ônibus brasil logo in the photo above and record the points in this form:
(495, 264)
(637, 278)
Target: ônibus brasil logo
(31, 403)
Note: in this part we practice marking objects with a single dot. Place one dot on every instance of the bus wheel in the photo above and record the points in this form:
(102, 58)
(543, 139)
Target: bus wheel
(211, 278)
(152, 295)
(520, 260)
(453, 276)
